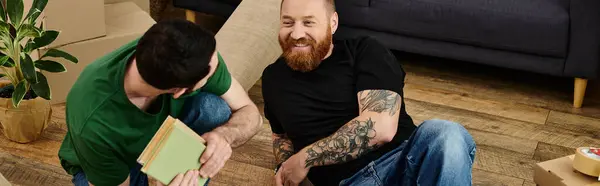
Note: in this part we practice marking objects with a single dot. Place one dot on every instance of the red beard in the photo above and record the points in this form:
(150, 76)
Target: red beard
(305, 61)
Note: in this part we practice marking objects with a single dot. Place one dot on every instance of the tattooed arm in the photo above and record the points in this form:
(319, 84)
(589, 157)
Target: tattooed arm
(282, 147)
(375, 126)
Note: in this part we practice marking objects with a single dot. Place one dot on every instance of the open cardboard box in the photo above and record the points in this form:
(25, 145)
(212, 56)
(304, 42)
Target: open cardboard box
(77, 20)
(124, 23)
(560, 172)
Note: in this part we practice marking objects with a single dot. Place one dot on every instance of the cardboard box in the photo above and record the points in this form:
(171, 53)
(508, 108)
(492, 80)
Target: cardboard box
(77, 20)
(143, 4)
(560, 172)
(4, 181)
(124, 22)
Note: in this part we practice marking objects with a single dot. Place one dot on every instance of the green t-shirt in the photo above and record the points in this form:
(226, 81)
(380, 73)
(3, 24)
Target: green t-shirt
(106, 132)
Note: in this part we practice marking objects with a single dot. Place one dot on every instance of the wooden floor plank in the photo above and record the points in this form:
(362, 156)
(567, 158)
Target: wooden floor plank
(26, 171)
(482, 81)
(420, 111)
(257, 151)
(43, 150)
(545, 152)
(485, 178)
(238, 173)
(578, 124)
(493, 107)
(499, 141)
(505, 163)
(486, 88)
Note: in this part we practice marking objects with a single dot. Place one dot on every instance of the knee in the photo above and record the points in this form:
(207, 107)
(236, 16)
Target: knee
(448, 137)
(207, 110)
(213, 107)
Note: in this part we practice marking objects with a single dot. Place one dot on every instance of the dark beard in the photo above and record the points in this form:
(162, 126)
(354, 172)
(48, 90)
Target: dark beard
(305, 61)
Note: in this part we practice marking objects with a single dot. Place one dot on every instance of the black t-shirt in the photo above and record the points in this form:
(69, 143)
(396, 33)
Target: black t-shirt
(311, 106)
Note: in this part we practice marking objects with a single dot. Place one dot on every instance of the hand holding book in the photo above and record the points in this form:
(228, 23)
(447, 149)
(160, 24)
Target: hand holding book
(190, 178)
(174, 150)
(217, 152)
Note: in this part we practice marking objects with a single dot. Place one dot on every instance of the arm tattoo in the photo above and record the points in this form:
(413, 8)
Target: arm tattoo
(379, 101)
(282, 147)
(348, 143)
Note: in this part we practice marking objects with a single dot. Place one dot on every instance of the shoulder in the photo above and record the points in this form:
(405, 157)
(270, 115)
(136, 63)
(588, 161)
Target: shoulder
(220, 80)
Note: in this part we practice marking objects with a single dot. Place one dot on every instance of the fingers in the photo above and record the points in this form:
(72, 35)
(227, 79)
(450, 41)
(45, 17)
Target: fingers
(278, 179)
(210, 149)
(189, 176)
(158, 183)
(177, 180)
(216, 162)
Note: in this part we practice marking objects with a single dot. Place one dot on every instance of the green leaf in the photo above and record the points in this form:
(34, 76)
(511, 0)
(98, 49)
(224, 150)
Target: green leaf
(28, 68)
(47, 37)
(3, 60)
(2, 75)
(19, 93)
(15, 11)
(4, 28)
(36, 9)
(28, 46)
(27, 30)
(2, 12)
(59, 53)
(42, 88)
(50, 66)
(9, 63)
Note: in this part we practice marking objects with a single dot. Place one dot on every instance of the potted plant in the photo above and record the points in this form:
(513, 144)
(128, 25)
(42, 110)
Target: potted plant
(24, 103)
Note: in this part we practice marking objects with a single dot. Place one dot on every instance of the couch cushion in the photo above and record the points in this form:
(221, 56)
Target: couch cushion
(528, 26)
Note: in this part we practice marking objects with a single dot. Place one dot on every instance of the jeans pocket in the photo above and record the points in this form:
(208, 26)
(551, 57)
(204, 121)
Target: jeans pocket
(366, 176)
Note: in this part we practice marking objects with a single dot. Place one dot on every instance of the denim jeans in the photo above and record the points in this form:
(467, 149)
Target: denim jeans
(202, 113)
(438, 153)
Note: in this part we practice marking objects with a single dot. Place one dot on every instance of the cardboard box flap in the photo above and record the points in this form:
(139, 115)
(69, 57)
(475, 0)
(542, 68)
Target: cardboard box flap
(144, 4)
(126, 18)
(560, 172)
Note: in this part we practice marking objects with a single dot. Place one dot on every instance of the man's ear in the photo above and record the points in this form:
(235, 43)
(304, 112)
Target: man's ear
(334, 22)
(178, 92)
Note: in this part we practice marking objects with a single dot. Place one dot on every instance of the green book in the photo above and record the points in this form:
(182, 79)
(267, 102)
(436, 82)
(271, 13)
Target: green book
(174, 149)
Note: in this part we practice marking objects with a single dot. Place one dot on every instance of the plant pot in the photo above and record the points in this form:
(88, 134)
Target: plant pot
(26, 123)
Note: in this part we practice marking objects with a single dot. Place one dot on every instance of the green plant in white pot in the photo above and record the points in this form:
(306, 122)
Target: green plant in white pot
(24, 107)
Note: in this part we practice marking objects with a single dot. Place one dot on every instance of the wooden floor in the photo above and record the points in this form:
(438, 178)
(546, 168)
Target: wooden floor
(517, 119)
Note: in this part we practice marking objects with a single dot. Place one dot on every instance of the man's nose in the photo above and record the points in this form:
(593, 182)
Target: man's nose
(298, 33)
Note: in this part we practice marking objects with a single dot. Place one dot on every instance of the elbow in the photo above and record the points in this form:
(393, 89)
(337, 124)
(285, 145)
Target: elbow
(259, 119)
(259, 123)
(386, 134)
(387, 137)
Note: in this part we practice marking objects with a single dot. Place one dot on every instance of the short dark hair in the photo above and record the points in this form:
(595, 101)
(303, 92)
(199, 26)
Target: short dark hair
(330, 5)
(174, 53)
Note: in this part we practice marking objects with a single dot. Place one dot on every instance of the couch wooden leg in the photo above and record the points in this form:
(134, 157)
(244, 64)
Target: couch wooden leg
(190, 15)
(580, 86)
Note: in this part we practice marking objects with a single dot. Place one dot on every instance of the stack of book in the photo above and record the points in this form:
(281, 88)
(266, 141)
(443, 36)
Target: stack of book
(174, 149)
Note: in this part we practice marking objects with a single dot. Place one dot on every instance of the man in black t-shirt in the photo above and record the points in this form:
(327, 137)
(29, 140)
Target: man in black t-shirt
(337, 111)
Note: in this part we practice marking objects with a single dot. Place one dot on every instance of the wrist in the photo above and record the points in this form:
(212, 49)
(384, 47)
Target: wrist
(223, 135)
(304, 154)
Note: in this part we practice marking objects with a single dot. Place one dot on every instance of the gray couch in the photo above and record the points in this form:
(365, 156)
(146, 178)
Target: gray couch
(555, 37)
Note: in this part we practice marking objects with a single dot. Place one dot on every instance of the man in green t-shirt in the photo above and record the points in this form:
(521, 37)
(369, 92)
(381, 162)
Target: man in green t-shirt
(120, 100)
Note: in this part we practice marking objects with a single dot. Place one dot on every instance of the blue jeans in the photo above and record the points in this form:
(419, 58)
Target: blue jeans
(438, 153)
(202, 113)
